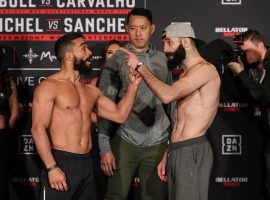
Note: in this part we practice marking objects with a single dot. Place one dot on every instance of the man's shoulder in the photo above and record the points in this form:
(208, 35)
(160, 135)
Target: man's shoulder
(93, 90)
(208, 65)
(205, 69)
(48, 85)
(212, 68)
(205, 65)
(90, 87)
(212, 73)
(49, 81)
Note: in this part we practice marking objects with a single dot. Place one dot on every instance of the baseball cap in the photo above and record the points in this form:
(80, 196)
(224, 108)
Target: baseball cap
(182, 30)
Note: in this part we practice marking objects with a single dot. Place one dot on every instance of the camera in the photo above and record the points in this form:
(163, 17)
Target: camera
(232, 55)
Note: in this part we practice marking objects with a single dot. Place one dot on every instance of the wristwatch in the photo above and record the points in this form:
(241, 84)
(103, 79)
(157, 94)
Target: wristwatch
(138, 66)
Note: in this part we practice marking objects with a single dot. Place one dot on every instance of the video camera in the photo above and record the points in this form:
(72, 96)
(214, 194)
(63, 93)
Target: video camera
(232, 56)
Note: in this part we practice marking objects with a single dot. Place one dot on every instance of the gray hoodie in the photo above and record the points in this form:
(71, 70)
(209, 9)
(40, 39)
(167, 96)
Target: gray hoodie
(147, 123)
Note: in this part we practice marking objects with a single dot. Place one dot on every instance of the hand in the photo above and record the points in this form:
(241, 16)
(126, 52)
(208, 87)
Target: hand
(131, 59)
(108, 163)
(57, 179)
(162, 169)
(135, 77)
(236, 67)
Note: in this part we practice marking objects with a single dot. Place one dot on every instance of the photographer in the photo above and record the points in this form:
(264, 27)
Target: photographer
(256, 80)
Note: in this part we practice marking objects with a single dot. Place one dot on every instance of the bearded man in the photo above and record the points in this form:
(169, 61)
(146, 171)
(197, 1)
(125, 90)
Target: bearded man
(63, 110)
(188, 161)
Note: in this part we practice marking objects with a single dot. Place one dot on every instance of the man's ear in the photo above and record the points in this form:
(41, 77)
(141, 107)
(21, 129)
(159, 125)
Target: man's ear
(186, 42)
(261, 45)
(153, 28)
(69, 56)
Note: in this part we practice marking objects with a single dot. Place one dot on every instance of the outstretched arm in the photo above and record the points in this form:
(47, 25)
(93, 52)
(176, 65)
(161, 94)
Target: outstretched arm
(119, 112)
(43, 103)
(179, 89)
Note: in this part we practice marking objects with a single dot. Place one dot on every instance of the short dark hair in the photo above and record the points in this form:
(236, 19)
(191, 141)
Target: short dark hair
(64, 44)
(253, 35)
(140, 12)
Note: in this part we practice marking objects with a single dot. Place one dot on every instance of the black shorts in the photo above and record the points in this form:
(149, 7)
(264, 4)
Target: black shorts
(78, 170)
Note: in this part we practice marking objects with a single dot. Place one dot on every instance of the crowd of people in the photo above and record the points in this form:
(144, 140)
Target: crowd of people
(145, 123)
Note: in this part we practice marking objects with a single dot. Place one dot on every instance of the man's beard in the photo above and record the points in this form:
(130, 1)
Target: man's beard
(178, 56)
(82, 66)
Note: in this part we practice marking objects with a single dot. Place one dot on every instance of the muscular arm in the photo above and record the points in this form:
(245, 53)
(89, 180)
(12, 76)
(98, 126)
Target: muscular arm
(183, 87)
(194, 79)
(43, 103)
(118, 112)
(13, 106)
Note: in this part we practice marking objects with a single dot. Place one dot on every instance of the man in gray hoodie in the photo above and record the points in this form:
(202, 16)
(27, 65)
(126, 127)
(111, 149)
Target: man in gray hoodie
(141, 141)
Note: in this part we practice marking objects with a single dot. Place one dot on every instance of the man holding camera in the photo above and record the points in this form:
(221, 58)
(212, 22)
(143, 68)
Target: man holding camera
(257, 81)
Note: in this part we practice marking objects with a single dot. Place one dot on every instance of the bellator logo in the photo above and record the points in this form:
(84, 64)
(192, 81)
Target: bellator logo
(231, 181)
(230, 31)
(31, 182)
(232, 106)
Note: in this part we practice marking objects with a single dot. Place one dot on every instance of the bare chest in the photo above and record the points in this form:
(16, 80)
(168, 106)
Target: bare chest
(73, 96)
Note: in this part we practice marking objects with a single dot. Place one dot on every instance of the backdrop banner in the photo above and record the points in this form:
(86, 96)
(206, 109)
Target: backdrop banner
(29, 28)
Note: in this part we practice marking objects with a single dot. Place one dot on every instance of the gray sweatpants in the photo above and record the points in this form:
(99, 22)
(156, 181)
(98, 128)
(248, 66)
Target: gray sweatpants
(189, 165)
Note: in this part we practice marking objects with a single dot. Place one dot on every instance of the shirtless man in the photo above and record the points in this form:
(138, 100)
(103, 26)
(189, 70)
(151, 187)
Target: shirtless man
(188, 162)
(62, 115)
